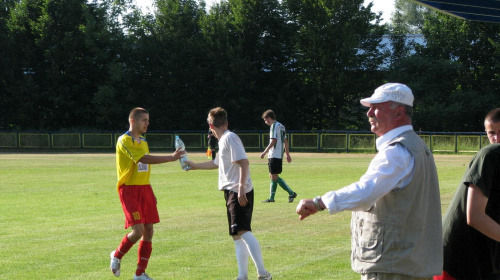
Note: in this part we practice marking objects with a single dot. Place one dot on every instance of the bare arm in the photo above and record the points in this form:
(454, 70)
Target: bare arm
(288, 157)
(244, 170)
(150, 159)
(271, 143)
(476, 214)
(202, 165)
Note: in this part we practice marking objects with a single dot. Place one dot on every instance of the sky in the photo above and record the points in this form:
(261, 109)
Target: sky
(386, 6)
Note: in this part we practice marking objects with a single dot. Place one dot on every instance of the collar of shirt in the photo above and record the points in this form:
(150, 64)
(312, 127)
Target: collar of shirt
(384, 139)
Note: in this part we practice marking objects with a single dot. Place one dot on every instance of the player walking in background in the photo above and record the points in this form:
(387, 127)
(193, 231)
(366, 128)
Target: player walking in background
(277, 145)
(235, 181)
(136, 195)
(471, 225)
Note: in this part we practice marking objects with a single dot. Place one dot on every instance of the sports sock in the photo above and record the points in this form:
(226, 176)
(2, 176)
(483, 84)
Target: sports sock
(124, 246)
(273, 186)
(144, 252)
(242, 255)
(284, 185)
(255, 252)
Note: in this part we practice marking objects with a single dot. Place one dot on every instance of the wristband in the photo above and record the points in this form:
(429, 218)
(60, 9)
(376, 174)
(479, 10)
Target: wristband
(316, 203)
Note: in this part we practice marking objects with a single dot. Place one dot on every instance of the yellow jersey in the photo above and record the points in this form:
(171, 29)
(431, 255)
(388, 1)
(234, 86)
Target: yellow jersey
(128, 153)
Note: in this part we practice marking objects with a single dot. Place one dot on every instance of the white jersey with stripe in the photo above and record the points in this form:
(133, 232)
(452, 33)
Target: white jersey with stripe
(278, 132)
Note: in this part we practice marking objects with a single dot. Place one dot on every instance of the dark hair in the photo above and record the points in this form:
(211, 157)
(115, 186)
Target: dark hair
(136, 113)
(493, 116)
(269, 113)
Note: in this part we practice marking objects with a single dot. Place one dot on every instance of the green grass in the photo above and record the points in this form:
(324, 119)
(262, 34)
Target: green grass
(60, 217)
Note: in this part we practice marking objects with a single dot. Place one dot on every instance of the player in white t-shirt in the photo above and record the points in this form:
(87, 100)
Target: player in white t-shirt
(278, 144)
(235, 181)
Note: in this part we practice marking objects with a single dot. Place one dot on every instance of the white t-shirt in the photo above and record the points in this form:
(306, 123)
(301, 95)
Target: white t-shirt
(277, 131)
(231, 150)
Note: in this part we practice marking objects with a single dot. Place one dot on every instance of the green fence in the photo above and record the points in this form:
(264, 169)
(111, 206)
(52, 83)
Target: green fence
(324, 141)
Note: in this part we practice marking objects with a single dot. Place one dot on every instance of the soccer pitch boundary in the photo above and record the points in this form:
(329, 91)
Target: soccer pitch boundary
(60, 217)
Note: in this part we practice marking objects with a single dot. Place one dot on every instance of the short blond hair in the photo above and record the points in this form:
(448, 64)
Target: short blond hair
(136, 113)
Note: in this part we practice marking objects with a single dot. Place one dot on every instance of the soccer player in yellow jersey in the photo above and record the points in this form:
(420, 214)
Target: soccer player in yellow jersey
(133, 165)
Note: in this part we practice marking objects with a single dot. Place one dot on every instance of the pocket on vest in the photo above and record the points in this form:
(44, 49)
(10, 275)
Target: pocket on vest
(368, 241)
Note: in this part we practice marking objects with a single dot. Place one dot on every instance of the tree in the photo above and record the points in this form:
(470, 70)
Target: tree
(63, 51)
(176, 60)
(122, 57)
(408, 17)
(249, 43)
(6, 64)
(474, 47)
(336, 58)
(454, 75)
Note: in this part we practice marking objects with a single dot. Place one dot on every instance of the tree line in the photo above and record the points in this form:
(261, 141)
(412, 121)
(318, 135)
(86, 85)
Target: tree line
(79, 65)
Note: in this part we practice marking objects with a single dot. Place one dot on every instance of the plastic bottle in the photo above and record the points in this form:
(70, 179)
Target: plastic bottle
(184, 157)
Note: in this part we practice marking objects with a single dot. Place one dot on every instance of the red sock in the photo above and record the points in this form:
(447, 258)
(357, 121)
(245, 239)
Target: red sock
(123, 248)
(144, 253)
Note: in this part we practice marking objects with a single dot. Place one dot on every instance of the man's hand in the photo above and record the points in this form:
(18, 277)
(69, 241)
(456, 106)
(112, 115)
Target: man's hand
(242, 196)
(306, 208)
(263, 154)
(192, 165)
(177, 154)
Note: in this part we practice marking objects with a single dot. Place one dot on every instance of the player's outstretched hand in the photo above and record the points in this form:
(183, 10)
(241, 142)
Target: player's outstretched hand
(306, 208)
(178, 153)
(191, 164)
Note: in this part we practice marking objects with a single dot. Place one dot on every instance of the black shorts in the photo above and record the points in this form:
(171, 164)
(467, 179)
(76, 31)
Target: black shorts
(239, 217)
(275, 165)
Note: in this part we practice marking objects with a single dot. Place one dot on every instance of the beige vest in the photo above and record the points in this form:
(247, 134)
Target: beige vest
(402, 232)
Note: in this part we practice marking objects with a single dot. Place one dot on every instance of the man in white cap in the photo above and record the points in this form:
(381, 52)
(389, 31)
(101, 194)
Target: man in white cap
(396, 209)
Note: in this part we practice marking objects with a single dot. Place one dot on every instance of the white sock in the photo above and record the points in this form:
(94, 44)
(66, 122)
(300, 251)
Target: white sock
(242, 255)
(255, 252)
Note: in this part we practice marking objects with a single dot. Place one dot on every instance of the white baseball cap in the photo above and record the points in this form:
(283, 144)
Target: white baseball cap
(390, 92)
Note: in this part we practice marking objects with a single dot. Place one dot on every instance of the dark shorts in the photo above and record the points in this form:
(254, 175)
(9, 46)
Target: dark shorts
(275, 165)
(239, 217)
(139, 205)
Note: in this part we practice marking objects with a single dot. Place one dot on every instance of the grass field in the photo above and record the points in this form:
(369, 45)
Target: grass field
(60, 217)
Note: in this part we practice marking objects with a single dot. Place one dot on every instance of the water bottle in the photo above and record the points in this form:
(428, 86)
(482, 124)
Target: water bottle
(184, 157)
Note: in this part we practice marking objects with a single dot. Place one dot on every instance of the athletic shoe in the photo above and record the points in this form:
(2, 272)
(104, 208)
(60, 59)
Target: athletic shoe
(267, 276)
(241, 278)
(115, 264)
(268, 200)
(291, 197)
(143, 276)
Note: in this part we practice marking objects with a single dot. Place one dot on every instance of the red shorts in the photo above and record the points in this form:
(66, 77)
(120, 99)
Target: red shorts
(139, 205)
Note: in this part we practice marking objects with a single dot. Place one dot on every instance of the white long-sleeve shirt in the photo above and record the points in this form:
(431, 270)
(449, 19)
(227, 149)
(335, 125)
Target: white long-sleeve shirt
(390, 169)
